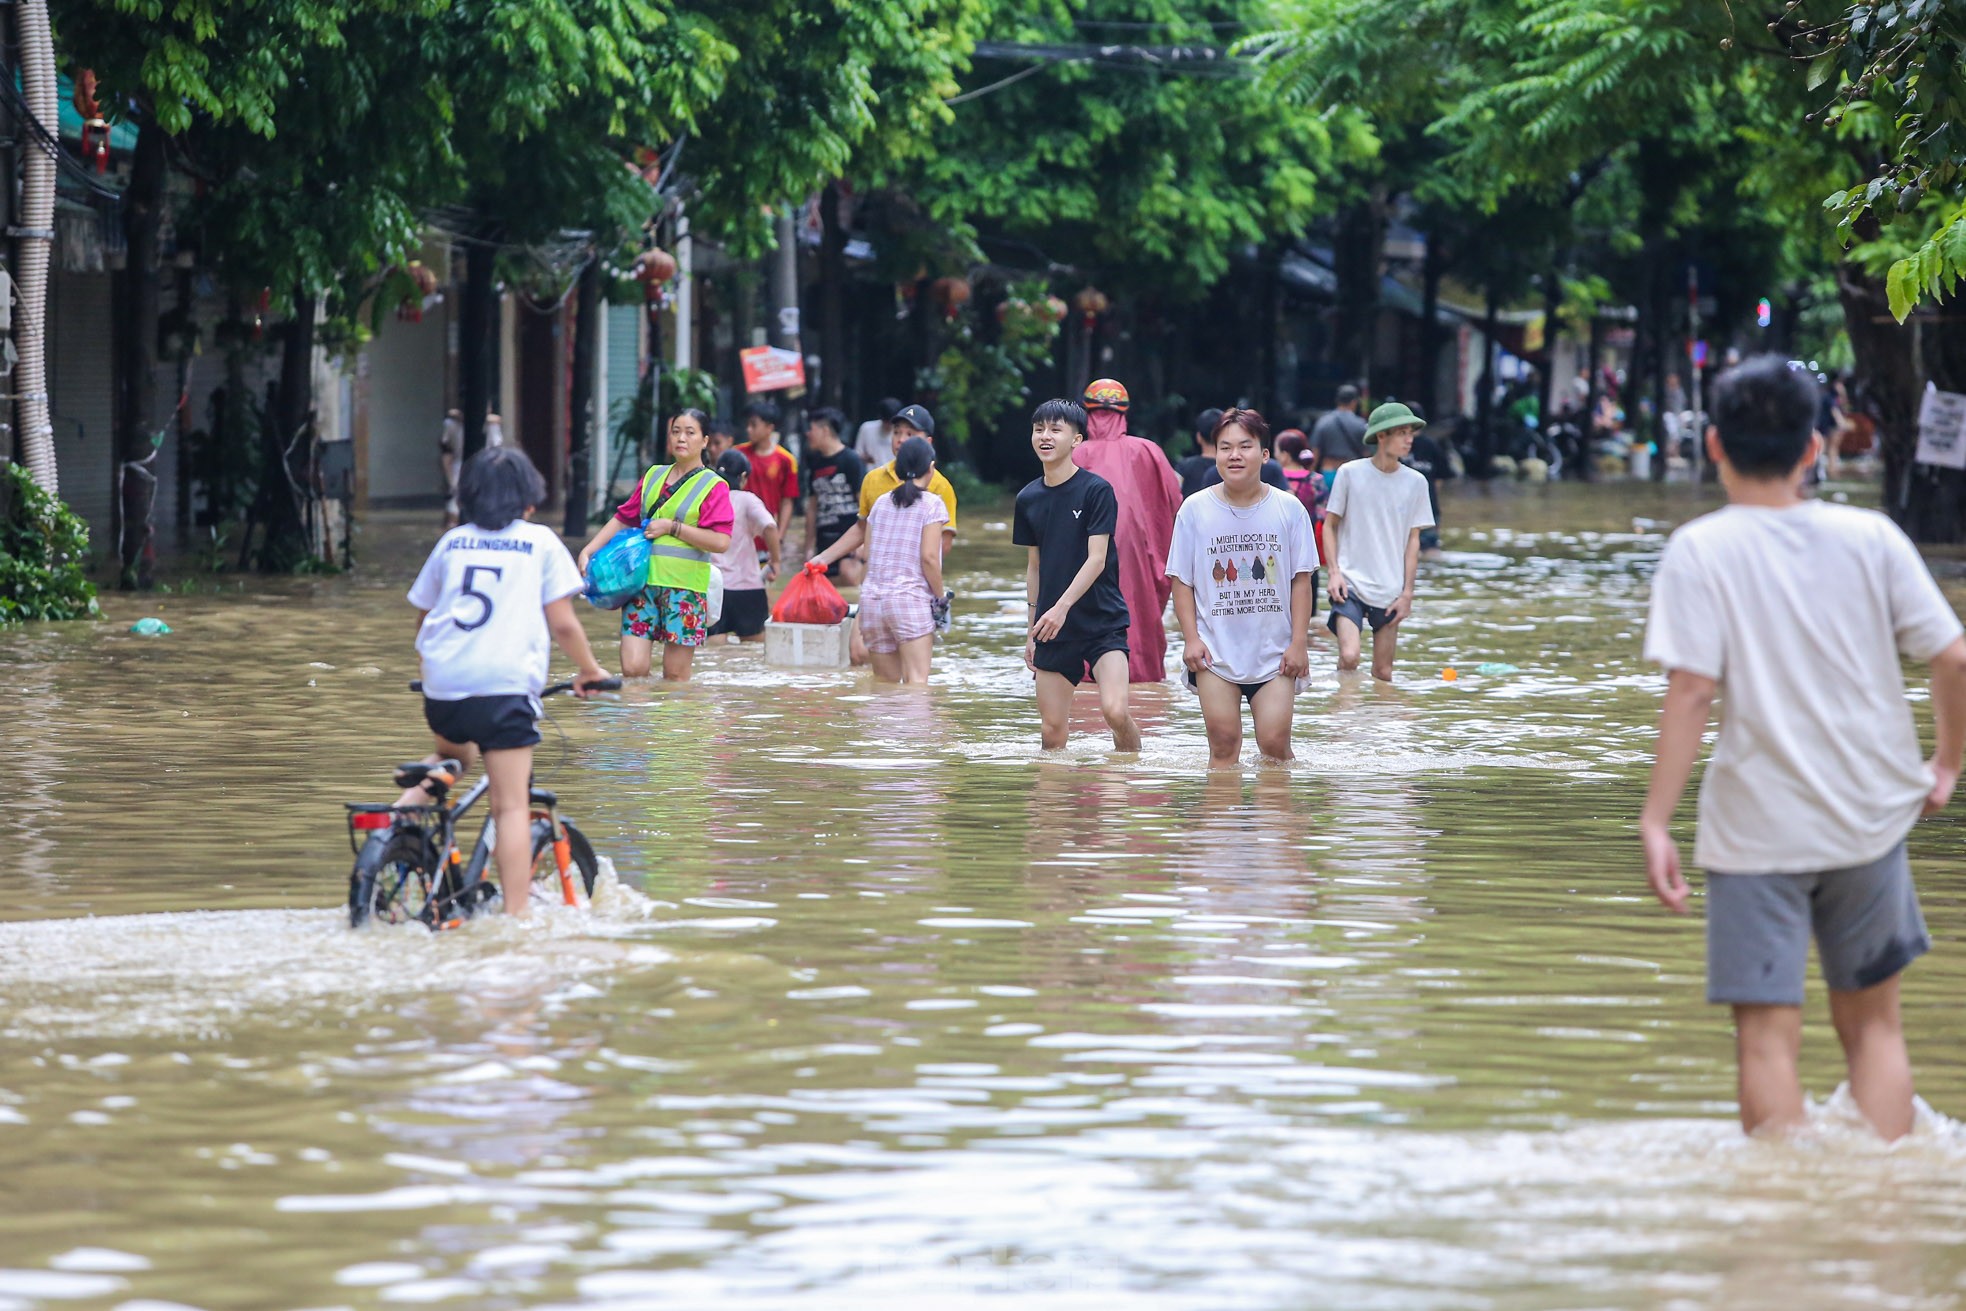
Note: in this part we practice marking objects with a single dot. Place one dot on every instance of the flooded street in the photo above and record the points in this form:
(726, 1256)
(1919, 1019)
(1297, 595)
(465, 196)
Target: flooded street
(879, 1009)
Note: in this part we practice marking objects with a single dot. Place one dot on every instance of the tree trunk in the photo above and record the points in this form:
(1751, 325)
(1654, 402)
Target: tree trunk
(285, 447)
(832, 299)
(586, 415)
(1485, 392)
(136, 338)
(1923, 500)
(1593, 392)
(1546, 381)
(478, 320)
(1428, 389)
(1356, 254)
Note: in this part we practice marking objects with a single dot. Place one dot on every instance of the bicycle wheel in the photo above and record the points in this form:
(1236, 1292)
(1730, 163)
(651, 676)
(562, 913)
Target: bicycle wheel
(394, 878)
(546, 871)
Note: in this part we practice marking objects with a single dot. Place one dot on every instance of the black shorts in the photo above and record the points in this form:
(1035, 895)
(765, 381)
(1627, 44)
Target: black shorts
(1359, 613)
(492, 723)
(1073, 657)
(1248, 690)
(744, 613)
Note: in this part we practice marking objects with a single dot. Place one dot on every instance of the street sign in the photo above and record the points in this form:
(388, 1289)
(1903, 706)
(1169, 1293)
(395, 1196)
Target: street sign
(1942, 429)
(768, 368)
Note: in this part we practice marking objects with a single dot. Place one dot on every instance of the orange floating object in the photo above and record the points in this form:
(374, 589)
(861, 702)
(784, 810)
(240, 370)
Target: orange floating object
(1448, 675)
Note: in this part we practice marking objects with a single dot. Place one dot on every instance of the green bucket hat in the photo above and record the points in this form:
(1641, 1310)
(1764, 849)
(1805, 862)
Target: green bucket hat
(1390, 415)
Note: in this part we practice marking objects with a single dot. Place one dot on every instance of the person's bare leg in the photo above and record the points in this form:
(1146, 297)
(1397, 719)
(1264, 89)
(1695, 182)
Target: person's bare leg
(637, 656)
(1273, 709)
(1221, 716)
(886, 664)
(852, 571)
(1768, 1043)
(1873, 1037)
(856, 645)
(1385, 644)
(676, 662)
(510, 772)
(1348, 644)
(465, 754)
(915, 656)
(1054, 708)
(1109, 672)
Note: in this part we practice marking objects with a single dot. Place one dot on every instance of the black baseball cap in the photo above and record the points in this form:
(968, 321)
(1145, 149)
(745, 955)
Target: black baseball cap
(915, 417)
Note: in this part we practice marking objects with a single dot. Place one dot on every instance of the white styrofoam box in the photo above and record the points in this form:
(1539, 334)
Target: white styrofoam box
(809, 646)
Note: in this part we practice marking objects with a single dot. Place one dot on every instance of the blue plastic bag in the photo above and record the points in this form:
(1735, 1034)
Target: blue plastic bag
(618, 571)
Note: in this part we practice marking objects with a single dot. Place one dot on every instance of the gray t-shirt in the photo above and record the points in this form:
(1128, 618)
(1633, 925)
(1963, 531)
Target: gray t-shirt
(1339, 435)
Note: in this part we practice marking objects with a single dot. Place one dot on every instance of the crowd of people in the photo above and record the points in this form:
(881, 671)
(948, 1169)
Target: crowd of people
(1235, 537)
(1815, 780)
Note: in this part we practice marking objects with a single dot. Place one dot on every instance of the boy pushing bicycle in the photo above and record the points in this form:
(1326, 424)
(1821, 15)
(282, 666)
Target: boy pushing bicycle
(489, 596)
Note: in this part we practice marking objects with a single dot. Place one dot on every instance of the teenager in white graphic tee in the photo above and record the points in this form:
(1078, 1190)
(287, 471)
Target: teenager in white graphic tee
(492, 593)
(1242, 561)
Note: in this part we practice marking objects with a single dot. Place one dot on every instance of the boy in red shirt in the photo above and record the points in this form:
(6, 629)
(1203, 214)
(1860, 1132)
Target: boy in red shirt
(774, 473)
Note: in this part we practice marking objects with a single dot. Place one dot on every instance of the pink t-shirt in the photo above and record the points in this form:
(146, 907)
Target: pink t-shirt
(740, 561)
(715, 515)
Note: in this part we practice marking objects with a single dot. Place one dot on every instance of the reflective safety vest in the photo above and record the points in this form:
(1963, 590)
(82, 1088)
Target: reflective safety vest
(672, 561)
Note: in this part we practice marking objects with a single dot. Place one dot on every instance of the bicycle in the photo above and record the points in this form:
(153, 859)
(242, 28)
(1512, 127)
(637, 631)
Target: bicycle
(409, 866)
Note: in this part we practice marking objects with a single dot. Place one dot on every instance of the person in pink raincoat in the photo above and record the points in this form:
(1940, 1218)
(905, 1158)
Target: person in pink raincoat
(1149, 496)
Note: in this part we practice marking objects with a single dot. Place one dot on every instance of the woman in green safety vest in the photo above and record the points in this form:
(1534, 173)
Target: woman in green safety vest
(684, 509)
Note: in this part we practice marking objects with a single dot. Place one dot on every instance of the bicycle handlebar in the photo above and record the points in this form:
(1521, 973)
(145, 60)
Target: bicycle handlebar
(600, 685)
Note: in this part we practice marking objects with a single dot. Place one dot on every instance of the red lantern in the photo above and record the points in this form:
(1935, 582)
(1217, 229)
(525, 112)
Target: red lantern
(95, 129)
(1091, 303)
(950, 294)
(424, 277)
(655, 266)
(1052, 310)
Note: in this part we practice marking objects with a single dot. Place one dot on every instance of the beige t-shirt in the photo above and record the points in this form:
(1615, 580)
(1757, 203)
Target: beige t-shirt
(1800, 614)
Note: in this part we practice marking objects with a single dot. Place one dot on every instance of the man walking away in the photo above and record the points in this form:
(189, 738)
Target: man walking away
(1817, 776)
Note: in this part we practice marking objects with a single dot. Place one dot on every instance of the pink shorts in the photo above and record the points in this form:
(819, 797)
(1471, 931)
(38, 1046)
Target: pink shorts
(888, 621)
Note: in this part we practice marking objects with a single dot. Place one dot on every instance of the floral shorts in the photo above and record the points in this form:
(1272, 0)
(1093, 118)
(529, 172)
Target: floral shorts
(672, 616)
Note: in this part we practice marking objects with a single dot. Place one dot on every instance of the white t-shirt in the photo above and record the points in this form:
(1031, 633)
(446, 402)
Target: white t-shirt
(873, 443)
(739, 561)
(1380, 512)
(1240, 560)
(487, 593)
(1800, 614)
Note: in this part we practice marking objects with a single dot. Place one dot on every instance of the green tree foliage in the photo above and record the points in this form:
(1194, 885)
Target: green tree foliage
(44, 555)
(1154, 162)
(1902, 66)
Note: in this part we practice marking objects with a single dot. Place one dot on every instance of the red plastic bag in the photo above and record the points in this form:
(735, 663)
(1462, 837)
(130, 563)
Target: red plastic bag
(810, 599)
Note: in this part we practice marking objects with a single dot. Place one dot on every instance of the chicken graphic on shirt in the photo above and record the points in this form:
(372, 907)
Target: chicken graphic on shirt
(1256, 569)
(1273, 569)
(1232, 571)
(1219, 572)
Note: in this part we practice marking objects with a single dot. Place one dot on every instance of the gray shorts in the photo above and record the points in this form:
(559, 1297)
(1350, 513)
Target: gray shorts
(1865, 920)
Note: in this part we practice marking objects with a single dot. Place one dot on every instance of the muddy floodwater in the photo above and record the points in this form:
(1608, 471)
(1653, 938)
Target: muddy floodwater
(878, 1009)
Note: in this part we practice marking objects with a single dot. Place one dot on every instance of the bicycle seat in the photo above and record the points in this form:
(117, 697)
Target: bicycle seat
(439, 776)
(543, 797)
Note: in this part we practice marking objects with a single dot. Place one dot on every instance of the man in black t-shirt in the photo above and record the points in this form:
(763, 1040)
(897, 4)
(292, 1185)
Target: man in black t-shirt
(1190, 468)
(1078, 617)
(832, 476)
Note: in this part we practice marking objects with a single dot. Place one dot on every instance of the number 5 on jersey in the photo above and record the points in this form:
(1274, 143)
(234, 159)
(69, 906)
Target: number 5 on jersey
(485, 614)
